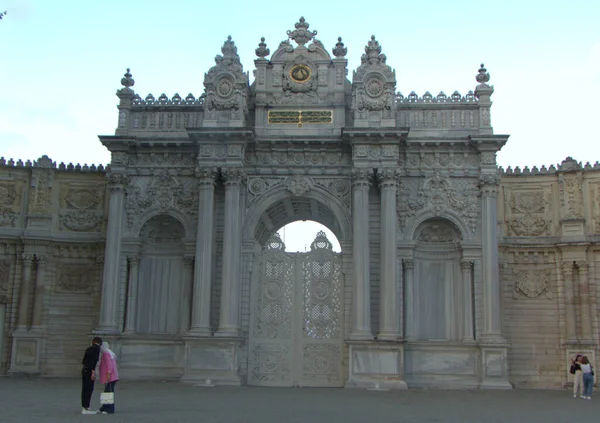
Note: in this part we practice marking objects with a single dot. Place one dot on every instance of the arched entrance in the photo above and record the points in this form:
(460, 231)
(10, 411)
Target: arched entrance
(296, 319)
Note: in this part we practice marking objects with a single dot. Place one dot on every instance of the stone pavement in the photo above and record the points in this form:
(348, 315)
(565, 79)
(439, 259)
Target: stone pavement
(58, 400)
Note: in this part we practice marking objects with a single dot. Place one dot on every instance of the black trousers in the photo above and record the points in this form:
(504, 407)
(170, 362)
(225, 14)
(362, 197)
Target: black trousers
(87, 387)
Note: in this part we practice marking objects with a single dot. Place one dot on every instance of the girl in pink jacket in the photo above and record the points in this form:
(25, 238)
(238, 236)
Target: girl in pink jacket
(109, 375)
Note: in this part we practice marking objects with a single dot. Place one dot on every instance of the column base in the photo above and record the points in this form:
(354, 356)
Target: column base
(26, 352)
(199, 332)
(107, 331)
(376, 365)
(363, 335)
(494, 367)
(389, 335)
(227, 332)
(212, 361)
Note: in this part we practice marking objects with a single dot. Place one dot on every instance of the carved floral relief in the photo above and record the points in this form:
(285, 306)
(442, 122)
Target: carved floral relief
(9, 202)
(531, 284)
(81, 209)
(571, 195)
(529, 213)
(76, 278)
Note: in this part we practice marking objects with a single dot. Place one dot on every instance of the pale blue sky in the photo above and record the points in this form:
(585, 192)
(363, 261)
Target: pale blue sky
(62, 62)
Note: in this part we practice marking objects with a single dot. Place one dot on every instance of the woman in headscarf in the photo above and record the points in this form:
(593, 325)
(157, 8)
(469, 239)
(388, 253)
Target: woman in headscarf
(109, 374)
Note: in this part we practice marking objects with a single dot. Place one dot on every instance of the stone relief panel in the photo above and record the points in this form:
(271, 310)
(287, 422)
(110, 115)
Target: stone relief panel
(160, 193)
(529, 284)
(221, 151)
(40, 195)
(81, 207)
(299, 158)
(298, 185)
(530, 212)
(571, 195)
(595, 199)
(79, 278)
(154, 160)
(10, 201)
(4, 281)
(441, 159)
(438, 194)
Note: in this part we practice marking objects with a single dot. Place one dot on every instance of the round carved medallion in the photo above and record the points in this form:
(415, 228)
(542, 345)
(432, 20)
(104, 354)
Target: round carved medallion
(273, 291)
(374, 87)
(224, 87)
(300, 73)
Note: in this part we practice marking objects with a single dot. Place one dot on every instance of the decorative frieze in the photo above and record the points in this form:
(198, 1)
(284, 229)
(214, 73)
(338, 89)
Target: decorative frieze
(81, 208)
(76, 278)
(530, 213)
(292, 157)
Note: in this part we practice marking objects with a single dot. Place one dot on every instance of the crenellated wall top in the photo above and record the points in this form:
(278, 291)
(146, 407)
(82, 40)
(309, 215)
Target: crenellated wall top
(567, 165)
(45, 162)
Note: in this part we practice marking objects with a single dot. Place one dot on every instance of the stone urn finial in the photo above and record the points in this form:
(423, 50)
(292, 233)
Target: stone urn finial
(339, 50)
(482, 77)
(127, 81)
(262, 51)
(301, 35)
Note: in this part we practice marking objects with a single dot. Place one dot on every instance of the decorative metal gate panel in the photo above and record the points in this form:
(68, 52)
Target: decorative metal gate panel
(296, 334)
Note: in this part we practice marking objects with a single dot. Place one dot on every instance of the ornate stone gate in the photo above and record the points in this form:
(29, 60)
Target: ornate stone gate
(296, 332)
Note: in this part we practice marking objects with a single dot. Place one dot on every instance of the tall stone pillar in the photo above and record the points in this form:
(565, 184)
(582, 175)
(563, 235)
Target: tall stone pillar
(409, 267)
(467, 274)
(491, 282)
(186, 294)
(229, 318)
(134, 268)
(361, 295)
(112, 254)
(389, 307)
(40, 290)
(200, 321)
(584, 295)
(570, 319)
(25, 289)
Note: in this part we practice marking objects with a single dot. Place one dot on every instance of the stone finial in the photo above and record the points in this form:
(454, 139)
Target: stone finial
(569, 164)
(301, 35)
(339, 50)
(127, 81)
(373, 49)
(262, 51)
(229, 49)
(482, 77)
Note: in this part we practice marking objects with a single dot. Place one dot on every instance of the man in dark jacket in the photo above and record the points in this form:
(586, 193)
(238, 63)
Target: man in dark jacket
(88, 374)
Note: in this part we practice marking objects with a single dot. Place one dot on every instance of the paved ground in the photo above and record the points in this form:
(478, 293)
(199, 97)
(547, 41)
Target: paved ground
(57, 400)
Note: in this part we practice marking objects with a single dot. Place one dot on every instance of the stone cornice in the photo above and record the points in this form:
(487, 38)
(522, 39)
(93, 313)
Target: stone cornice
(488, 142)
(375, 135)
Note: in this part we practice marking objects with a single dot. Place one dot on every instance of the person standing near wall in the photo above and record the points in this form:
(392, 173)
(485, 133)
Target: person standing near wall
(588, 378)
(88, 374)
(577, 376)
(109, 375)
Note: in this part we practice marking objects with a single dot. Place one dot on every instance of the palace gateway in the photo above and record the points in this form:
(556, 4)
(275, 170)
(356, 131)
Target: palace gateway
(452, 273)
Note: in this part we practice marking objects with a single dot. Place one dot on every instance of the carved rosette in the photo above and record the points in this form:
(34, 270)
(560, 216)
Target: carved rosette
(531, 284)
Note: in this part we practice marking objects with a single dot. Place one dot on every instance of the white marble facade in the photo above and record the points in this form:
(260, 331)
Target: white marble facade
(453, 273)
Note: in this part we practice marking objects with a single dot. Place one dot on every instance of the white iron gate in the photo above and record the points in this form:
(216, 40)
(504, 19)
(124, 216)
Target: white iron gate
(296, 334)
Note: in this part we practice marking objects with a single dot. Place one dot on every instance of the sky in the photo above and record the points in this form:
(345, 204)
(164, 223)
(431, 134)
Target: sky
(61, 63)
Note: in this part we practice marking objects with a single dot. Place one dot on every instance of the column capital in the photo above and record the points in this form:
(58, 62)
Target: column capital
(466, 265)
(361, 178)
(387, 178)
(117, 181)
(188, 260)
(233, 175)
(28, 257)
(408, 264)
(582, 266)
(206, 175)
(133, 260)
(489, 184)
(567, 267)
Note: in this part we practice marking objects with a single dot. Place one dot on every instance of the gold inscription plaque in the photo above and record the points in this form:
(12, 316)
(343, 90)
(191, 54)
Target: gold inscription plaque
(300, 73)
(300, 117)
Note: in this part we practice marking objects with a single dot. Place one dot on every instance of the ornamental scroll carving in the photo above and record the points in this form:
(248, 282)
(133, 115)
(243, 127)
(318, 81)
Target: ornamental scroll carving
(40, 195)
(4, 281)
(571, 195)
(8, 205)
(300, 158)
(161, 160)
(160, 193)
(438, 194)
(595, 194)
(81, 209)
(531, 284)
(528, 214)
(76, 278)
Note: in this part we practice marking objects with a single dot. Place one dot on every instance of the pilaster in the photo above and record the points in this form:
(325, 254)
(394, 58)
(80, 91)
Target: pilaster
(134, 266)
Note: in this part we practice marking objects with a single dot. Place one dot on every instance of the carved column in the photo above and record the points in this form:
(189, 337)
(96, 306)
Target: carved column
(467, 272)
(200, 323)
(134, 268)
(361, 295)
(186, 293)
(112, 254)
(389, 307)
(567, 271)
(40, 290)
(409, 318)
(584, 295)
(491, 282)
(25, 287)
(229, 319)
